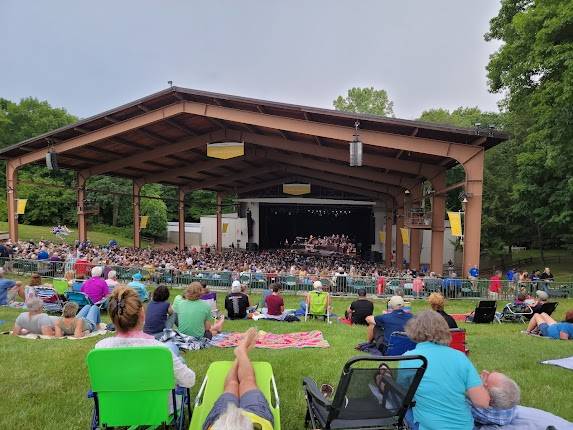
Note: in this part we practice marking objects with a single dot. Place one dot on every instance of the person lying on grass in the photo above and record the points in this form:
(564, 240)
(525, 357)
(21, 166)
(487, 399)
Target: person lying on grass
(70, 324)
(128, 315)
(34, 321)
(548, 327)
(242, 406)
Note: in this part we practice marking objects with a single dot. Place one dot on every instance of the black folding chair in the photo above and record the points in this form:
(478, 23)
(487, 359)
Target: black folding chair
(370, 395)
(548, 308)
(484, 313)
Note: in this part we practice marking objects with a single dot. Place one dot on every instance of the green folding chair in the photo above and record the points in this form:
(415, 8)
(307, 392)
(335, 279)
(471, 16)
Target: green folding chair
(318, 306)
(60, 285)
(214, 383)
(132, 387)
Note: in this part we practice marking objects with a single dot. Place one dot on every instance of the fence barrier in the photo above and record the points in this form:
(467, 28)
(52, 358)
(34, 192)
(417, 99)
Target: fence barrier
(453, 288)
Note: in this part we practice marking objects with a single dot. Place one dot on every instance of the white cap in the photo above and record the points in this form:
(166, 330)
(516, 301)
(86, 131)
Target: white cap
(317, 285)
(396, 302)
(235, 287)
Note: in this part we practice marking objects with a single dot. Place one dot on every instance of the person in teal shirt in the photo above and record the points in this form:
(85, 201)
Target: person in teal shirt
(194, 315)
(450, 384)
(139, 286)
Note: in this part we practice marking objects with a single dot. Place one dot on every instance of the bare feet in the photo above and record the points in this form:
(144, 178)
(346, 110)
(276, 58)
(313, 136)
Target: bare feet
(247, 342)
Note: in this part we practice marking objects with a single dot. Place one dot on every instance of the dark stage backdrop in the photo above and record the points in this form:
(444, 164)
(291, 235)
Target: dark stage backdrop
(280, 222)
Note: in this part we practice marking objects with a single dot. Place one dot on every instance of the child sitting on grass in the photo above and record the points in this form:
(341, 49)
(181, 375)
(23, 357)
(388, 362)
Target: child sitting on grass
(70, 324)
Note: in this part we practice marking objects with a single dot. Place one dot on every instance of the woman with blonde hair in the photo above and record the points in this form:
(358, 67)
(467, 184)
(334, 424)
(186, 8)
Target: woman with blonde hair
(77, 324)
(449, 381)
(194, 315)
(128, 315)
(437, 301)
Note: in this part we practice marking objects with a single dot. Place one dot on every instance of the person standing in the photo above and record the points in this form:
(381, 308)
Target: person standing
(495, 285)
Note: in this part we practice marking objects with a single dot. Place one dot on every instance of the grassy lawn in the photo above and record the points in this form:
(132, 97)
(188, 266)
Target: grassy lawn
(562, 270)
(38, 232)
(45, 382)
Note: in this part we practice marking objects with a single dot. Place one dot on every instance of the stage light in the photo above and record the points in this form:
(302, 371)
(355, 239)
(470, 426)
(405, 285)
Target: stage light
(356, 148)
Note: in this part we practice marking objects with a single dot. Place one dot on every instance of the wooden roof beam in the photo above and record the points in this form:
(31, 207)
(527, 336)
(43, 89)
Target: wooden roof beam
(153, 154)
(226, 179)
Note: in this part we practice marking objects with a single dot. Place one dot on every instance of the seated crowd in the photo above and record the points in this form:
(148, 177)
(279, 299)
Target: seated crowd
(465, 398)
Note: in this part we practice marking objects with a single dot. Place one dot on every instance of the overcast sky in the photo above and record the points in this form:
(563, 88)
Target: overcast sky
(92, 56)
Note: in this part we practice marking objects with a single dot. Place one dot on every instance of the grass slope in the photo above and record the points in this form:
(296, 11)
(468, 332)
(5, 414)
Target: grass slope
(38, 232)
(45, 382)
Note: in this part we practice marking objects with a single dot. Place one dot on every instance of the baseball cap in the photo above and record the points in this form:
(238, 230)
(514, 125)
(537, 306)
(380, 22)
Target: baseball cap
(396, 302)
(317, 284)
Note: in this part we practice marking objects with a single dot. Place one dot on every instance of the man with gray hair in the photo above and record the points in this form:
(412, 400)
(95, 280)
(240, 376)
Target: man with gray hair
(504, 394)
(34, 321)
(504, 411)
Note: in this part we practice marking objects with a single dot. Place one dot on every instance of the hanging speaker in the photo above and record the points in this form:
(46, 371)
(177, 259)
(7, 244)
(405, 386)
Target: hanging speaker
(52, 161)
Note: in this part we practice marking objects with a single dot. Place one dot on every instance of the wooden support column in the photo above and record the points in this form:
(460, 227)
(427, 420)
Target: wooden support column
(415, 248)
(472, 217)
(438, 214)
(11, 195)
(388, 242)
(219, 222)
(181, 218)
(399, 243)
(81, 204)
(137, 185)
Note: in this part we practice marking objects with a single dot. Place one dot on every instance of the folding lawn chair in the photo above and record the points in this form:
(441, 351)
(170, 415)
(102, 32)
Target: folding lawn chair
(48, 295)
(459, 340)
(135, 387)
(484, 313)
(318, 306)
(514, 313)
(399, 343)
(370, 394)
(60, 285)
(548, 308)
(213, 386)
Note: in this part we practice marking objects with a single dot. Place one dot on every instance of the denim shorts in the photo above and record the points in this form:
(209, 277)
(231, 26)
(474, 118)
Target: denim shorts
(252, 401)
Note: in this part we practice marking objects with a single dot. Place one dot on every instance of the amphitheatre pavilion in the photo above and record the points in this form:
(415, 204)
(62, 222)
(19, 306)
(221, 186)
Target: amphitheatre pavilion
(163, 138)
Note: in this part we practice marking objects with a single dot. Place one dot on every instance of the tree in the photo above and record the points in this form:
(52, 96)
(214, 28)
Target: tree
(499, 219)
(534, 70)
(365, 100)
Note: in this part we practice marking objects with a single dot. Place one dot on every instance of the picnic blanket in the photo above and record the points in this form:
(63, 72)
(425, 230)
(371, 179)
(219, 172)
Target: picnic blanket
(189, 343)
(303, 339)
(566, 363)
(99, 332)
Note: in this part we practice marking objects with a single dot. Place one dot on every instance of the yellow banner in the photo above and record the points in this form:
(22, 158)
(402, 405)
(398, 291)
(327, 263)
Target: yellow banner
(296, 189)
(225, 227)
(456, 223)
(405, 232)
(143, 220)
(21, 208)
(225, 150)
(382, 236)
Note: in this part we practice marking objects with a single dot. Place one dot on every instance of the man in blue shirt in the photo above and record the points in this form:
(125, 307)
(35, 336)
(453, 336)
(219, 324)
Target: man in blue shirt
(5, 286)
(395, 320)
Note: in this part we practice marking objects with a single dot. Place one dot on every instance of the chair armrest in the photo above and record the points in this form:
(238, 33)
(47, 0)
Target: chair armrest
(312, 390)
(91, 394)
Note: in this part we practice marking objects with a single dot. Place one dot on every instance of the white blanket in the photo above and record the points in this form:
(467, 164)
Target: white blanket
(99, 332)
(566, 363)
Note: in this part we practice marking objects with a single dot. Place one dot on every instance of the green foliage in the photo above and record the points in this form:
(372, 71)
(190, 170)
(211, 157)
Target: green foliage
(365, 100)
(201, 202)
(156, 210)
(534, 70)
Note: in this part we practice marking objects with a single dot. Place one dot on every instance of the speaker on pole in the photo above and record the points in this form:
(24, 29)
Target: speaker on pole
(52, 160)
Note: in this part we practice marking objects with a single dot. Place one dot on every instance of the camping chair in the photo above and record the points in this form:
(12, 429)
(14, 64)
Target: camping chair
(50, 298)
(367, 397)
(514, 313)
(60, 285)
(484, 313)
(135, 386)
(83, 299)
(213, 386)
(318, 306)
(459, 340)
(399, 343)
(549, 307)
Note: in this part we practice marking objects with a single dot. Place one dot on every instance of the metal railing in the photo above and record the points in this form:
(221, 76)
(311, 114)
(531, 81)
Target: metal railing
(343, 285)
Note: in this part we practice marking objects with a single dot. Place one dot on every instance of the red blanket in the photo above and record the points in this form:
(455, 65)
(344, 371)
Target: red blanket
(305, 339)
